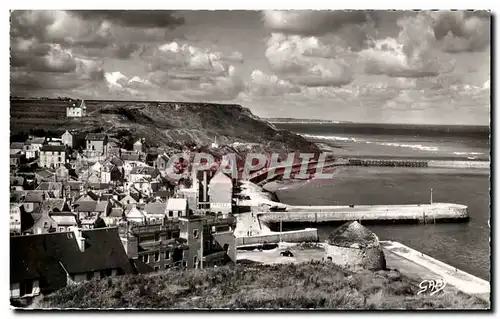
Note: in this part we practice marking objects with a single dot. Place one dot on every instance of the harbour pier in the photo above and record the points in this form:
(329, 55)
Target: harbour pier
(418, 213)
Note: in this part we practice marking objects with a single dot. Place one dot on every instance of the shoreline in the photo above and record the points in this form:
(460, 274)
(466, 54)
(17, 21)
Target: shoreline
(408, 261)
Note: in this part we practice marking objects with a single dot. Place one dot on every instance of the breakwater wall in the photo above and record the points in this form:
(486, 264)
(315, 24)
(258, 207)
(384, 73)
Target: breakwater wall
(461, 280)
(418, 163)
(424, 213)
(294, 236)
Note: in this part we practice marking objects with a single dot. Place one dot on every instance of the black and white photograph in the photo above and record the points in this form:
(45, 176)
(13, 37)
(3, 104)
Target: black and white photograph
(250, 159)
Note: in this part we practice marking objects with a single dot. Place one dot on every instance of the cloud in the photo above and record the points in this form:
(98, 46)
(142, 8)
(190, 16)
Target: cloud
(195, 72)
(306, 61)
(311, 22)
(38, 79)
(412, 54)
(262, 84)
(133, 18)
(461, 30)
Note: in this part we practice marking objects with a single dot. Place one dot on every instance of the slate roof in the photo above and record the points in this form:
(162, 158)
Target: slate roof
(116, 212)
(64, 218)
(43, 256)
(145, 170)
(95, 137)
(50, 186)
(86, 206)
(101, 206)
(155, 208)
(162, 194)
(353, 233)
(51, 204)
(53, 148)
(16, 145)
(34, 196)
(116, 161)
(35, 140)
(74, 185)
(131, 157)
(141, 267)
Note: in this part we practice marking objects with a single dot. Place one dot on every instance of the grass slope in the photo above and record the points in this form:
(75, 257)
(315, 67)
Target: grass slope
(292, 286)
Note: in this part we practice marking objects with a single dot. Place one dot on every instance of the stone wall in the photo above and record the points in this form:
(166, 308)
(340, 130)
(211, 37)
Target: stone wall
(355, 258)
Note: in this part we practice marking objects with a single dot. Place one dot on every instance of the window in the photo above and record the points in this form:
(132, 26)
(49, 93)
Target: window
(59, 158)
(157, 256)
(145, 258)
(170, 213)
(157, 268)
(61, 229)
(167, 255)
(195, 233)
(90, 275)
(176, 234)
(167, 266)
(157, 235)
(26, 288)
(45, 225)
(93, 147)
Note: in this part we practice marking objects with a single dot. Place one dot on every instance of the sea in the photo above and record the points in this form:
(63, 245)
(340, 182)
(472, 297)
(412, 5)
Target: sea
(465, 246)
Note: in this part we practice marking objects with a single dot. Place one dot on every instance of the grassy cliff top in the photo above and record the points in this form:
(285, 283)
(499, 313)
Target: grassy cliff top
(293, 286)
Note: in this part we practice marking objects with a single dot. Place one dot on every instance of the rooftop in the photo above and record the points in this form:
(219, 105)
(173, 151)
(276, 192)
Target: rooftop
(95, 137)
(353, 233)
(53, 148)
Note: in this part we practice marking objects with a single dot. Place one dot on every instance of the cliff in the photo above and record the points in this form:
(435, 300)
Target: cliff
(161, 123)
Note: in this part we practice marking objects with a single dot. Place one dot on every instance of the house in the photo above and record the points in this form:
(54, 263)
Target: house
(52, 156)
(176, 207)
(85, 208)
(129, 199)
(220, 192)
(96, 143)
(128, 165)
(55, 187)
(73, 139)
(33, 200)
(140, 172)
(161, 162)
(41, 264)
(76, 108)
(45, 175)
(110, 173)
(15, 217)
(15, 159)
(54, 141)
(54, 205)
(16, 148)
(138, 146)
(64, 220)
(32, 146)
(135, 215)
(16, 183)
(155, 212)
(62, 173)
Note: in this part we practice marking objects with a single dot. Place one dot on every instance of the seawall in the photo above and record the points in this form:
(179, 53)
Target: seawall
(419, 266)
(294, 236)
(424, 213)
(417, 163)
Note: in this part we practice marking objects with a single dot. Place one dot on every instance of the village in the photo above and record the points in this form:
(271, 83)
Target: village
(83, 208)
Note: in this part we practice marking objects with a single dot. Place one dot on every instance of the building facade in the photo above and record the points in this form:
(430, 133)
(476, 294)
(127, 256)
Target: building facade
(76, 108)
(52, 156)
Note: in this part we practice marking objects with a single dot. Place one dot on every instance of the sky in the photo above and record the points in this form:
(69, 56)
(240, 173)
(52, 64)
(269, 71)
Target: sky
(427, 67)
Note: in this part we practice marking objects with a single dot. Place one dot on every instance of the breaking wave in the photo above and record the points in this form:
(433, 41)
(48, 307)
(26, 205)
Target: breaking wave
(352, 139)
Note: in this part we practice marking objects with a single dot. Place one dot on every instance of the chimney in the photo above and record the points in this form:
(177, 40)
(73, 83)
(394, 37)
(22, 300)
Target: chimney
(205, 186)
(80, 240)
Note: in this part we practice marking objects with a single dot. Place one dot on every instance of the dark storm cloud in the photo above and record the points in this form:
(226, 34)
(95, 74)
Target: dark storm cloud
(133, 18)
(311, 22)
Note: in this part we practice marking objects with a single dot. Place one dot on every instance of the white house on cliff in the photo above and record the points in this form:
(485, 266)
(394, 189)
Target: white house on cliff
(76, 108)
